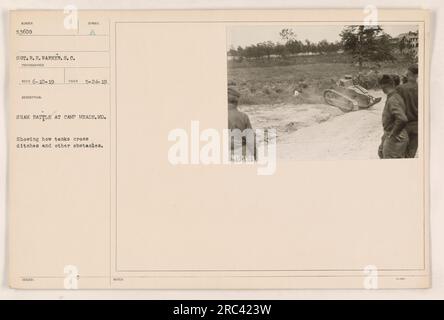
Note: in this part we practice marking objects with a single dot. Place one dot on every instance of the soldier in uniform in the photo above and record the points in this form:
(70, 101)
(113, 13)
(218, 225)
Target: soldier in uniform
(409, 93)
(395, 139)
(238, 120)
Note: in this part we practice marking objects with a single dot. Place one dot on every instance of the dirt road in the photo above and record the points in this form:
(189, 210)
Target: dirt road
(322, 132)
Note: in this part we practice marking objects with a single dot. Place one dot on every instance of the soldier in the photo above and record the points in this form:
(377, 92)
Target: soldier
(409, 93)
(238, 120)
(395, 139)
(396, 79)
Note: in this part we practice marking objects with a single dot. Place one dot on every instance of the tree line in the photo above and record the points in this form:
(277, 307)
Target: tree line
(290, 46)
(362, 43)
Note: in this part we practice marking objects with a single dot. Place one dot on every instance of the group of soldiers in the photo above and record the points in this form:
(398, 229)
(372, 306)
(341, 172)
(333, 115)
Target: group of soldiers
(400, 115)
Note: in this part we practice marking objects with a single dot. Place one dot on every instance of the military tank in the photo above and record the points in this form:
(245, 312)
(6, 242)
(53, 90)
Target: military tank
(348, 96)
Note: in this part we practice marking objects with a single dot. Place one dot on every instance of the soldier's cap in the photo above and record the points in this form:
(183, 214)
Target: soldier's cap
(414, 69)
(233, 93)
(387, 79)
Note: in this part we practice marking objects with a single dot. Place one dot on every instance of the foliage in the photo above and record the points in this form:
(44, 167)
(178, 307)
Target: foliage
(367, 44)
(290, 47)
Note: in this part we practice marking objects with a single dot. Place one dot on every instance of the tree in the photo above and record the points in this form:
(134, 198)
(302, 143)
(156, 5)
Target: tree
(232, 52)
(294, 46)
(266, 49)
(287, 35)
(323, 46)
(367, 43)
(281, 50)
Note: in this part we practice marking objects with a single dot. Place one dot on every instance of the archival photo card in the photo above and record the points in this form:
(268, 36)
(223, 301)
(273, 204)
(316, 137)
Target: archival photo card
(218, 149)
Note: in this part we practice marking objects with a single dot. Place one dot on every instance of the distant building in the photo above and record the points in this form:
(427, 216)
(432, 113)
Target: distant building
(410, 40)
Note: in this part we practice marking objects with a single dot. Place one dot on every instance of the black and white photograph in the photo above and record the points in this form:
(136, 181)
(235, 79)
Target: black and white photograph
(330, 92)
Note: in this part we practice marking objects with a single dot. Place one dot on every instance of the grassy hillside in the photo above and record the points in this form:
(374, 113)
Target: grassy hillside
(274, 81)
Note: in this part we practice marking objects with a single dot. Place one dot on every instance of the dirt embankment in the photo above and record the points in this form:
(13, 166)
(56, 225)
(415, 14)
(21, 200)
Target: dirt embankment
(321, 132)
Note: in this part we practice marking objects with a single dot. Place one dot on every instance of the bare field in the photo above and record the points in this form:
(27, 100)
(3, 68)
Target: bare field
(320, 131)
(350, 136)
(287, 118)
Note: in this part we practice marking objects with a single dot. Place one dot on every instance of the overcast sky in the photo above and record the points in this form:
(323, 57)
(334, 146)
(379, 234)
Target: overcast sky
(247, 35)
